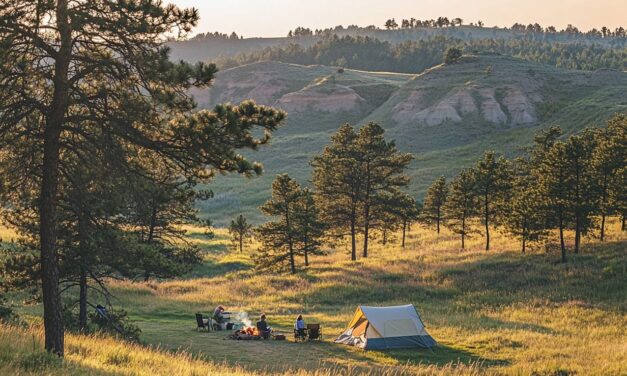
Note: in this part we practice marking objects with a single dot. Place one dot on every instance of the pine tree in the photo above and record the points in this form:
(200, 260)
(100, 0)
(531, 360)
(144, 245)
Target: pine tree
(240, 229)
(435, 199)
(338, 185)
(309, 227)
(492, 176)
(120, 84)
(523, 215)
(583, 188)
(383, 174)
(554, 181)
(608, 165)
(461, 205)
(279, 238)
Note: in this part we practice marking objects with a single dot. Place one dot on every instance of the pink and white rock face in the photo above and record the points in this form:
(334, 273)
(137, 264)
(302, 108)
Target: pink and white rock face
(465, 101)
(520, 107)
(490, 108)
(336, 99)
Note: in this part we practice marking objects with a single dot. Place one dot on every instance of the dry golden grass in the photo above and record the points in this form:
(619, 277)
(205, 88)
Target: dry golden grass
(496, 312)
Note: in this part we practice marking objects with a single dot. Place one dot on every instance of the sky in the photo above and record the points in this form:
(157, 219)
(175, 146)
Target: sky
(274, 18)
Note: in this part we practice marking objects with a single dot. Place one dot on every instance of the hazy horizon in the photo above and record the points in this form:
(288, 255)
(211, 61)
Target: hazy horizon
(274, 18)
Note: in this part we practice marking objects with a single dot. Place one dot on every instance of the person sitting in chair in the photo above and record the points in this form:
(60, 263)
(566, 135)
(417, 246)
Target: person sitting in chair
(300, 326)
(263, 328)
(218, 314)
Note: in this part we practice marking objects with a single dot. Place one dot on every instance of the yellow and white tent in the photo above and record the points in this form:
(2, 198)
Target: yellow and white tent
(383, 328)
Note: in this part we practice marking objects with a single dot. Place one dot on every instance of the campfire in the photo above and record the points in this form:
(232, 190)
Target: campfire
(246, 333)
(251, 331)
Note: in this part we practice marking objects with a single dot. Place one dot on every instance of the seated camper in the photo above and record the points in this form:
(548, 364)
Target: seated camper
(263, 328)
(300, 331)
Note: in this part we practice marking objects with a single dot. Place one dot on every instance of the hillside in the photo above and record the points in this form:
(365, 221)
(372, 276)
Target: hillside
(446, 116)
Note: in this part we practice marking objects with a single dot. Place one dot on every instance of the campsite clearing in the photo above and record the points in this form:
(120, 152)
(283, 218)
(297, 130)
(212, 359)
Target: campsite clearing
(497, 312)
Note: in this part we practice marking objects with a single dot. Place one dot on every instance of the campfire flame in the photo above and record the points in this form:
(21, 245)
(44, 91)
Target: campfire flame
(251, 331)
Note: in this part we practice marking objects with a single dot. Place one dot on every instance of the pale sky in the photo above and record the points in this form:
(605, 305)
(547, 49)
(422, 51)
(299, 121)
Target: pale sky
(272, 18)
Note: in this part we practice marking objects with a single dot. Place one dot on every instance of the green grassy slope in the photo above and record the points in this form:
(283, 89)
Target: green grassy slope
(521, 97)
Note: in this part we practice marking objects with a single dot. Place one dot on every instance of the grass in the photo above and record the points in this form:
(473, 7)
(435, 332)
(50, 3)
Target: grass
(497, 312)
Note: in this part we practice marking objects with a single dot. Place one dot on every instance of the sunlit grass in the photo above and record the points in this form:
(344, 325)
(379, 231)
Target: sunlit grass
(496, 312)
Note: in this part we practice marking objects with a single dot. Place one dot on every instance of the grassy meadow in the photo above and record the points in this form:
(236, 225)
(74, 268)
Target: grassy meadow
(496, 312)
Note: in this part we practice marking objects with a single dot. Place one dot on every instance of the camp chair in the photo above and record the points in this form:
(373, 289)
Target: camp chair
(300, 335)
(314, 332)
(202, 325)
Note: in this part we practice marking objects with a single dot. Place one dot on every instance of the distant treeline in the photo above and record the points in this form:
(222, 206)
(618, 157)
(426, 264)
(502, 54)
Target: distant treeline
(372, 54)
(445, 22)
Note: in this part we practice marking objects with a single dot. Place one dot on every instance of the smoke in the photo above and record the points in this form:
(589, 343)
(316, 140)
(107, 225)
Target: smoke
(243, 318)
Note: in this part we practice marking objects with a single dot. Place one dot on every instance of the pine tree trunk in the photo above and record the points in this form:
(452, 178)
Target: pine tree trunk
(241, 243)
(306, 257)
(577, 232)
(153, 223)
(385, 237)
(524, 238)
(562, 244)
(292, 262)
(438, 221)
(487, 224)
(82, 310)
(83, 249)
(53, 319)
(404, 228)
(622, 226)
(463, 231)
(353, 241)
(366, 228)
(603, 227)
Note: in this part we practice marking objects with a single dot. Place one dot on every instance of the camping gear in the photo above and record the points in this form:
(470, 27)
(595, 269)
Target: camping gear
(229, 326)
(279, 337)
(382, 328)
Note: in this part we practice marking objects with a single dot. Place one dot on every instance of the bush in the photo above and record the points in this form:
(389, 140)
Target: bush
(452, 55)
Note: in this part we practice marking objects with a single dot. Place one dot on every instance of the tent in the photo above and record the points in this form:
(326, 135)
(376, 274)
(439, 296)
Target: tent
(382, 328)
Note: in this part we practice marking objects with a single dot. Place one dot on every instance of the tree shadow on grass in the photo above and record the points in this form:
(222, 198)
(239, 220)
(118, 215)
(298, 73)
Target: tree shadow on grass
(214, 268)
(441, 355)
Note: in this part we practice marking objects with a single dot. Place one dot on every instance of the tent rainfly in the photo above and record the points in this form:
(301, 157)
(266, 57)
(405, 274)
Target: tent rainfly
(382, 328)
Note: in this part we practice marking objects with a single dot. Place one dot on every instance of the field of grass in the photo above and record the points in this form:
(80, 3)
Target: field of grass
(497, 312)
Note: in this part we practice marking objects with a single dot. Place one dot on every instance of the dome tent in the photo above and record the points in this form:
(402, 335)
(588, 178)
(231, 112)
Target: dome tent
(382, 328)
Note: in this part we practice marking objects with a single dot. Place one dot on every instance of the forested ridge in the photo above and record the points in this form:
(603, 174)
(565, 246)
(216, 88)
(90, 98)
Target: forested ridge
(414, 56)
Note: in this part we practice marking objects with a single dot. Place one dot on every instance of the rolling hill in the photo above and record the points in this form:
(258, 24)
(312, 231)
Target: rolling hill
(446, 116)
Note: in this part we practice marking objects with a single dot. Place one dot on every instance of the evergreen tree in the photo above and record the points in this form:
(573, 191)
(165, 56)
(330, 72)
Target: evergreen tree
(435, 199)
(608, 165)
(279, 238)
(240, 229)
(382, 171)
(554, 181)
(338, 185)
(492, 176)
(523, 215)
(309, 227)
(583, 188)
(461, 205)
(60, 85)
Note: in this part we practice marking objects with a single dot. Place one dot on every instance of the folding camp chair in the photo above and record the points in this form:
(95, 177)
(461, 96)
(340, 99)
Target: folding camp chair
(202, 325)
(314, 332)
(300, 335)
